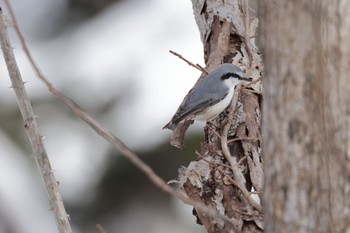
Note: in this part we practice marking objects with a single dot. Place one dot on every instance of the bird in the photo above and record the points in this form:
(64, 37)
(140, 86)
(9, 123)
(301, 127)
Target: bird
(210, 97)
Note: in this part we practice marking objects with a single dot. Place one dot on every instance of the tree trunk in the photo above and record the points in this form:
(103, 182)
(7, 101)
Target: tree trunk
(229, 166)
(306, 115)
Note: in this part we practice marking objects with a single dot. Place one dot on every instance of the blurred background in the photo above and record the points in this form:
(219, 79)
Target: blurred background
(111, 57)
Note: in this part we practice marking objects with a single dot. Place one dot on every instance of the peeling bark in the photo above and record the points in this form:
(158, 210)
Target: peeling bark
(235, 134)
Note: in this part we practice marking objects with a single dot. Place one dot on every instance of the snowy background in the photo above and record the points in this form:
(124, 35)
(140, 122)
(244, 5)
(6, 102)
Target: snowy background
(115, 63)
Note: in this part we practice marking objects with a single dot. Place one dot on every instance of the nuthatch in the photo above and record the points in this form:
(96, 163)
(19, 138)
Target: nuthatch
(210, 97)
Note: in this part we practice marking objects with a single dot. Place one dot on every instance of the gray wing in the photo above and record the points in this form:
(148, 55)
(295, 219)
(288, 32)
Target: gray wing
(203, 96)
(182, 114)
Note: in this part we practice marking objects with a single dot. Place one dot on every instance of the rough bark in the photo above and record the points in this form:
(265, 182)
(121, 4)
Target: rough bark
(217, 179)
(306, 115)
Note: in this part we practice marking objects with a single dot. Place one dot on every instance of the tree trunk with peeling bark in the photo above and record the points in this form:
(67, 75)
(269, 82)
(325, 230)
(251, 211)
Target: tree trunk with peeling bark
(229, 167)
(306, 115)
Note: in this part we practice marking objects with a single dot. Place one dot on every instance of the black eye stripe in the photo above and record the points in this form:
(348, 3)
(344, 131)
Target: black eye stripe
(229, 75)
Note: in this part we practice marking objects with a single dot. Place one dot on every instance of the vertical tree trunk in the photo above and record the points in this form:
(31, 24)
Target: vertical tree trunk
(217, 179)
(306, 115)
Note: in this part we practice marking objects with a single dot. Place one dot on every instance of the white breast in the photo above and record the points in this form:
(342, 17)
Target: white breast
(213, 111)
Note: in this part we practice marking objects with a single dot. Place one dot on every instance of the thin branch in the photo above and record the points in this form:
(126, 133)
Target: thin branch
(213, 130)
(90, 121)
(198, 67)
(119, 145)
(233, 163)
(244, 191)
(241, 160)
(202, 68)
(30, 124)
(224, 147)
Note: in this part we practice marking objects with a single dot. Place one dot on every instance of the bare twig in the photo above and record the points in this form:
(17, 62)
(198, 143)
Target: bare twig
(244, 191)
(213, 130)
(39, 151)
(234, 165)
(202, 68)
(119, 145)
(198, 67)
(224, 147)
(241, 160)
